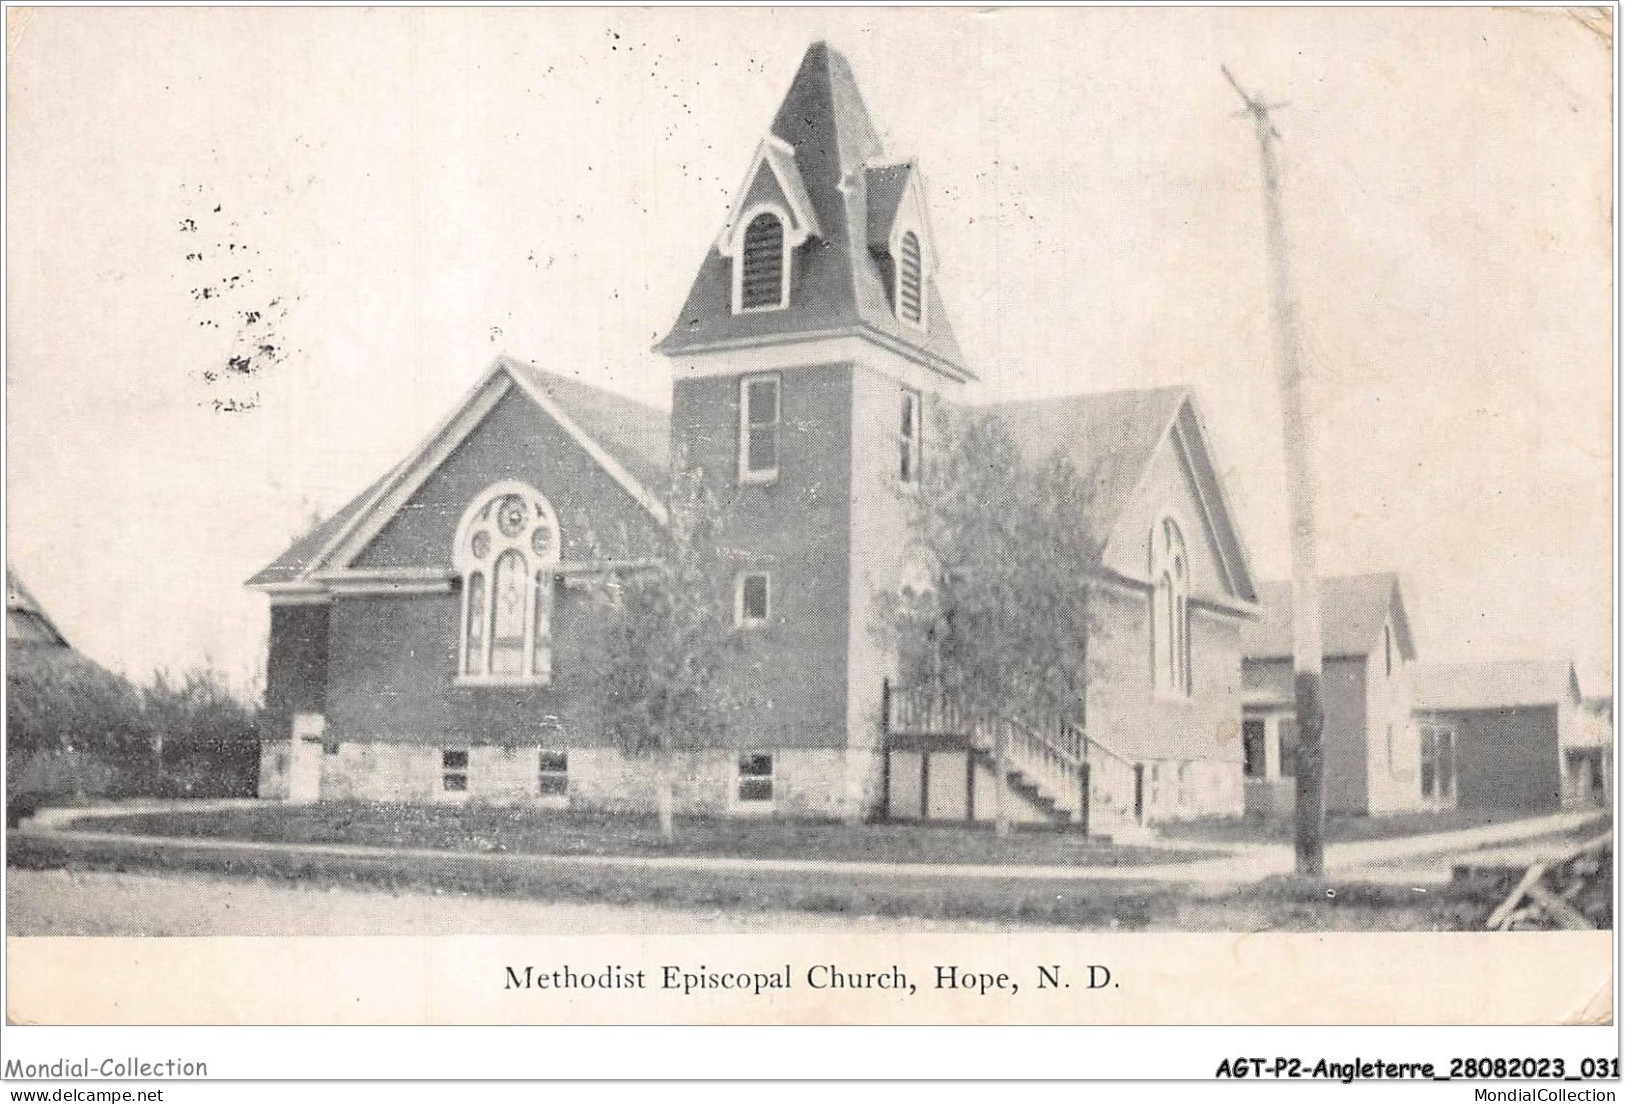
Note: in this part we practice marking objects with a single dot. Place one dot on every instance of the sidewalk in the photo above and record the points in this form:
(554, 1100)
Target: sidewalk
(1383, 860)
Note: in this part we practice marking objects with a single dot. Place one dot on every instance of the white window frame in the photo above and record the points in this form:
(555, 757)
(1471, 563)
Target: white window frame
(539, 574)
(785, 266)
(1170, 604)
(445, 772)
(743, 804)
(741, 621)
(914, 444)
(764, 475)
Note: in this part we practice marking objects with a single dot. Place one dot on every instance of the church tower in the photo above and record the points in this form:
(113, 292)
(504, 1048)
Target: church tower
(806, 361)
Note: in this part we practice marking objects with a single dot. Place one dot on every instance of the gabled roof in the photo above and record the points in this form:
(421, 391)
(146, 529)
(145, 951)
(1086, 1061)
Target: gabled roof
(637, 435)
(776, 156)
(1112, 438)
(26, 620)
(838, 285)
(1353, 609)
(888, 184)
(1508, 684)
(630, 440)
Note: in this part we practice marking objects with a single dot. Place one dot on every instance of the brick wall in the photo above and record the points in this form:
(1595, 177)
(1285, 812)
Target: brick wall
(880, 535)
(296, 666)
(1130, 715)
(392, 677)
(516, 441)
(790, 681)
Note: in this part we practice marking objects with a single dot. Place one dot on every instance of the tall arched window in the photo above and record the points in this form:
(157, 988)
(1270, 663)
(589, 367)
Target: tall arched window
(507, 546)
(761, 263)
(908, 279)
(1170, 609)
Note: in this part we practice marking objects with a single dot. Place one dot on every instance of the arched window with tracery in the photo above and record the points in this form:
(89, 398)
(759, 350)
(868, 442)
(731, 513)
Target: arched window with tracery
(1170, 609)
(507, 548)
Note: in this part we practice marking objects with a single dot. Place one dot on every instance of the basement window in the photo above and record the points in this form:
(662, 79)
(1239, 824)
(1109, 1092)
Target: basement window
(553, 774)
(755, 778)
(454, 770)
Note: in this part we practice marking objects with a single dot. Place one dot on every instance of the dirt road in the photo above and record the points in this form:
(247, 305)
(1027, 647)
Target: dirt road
(88, 902)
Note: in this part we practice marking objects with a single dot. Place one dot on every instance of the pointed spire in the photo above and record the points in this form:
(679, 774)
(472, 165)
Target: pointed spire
(839, 282)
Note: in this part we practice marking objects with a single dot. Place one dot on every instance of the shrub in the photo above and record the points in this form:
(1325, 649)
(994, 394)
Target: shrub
(74, 729)
(208, 738)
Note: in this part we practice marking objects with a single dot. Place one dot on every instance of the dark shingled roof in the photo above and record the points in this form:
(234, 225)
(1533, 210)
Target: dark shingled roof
(1110, 436)
(637, 436)
(887, 186)
(1507, 684)
(837, 283)
(1352, 611)
(26, 620)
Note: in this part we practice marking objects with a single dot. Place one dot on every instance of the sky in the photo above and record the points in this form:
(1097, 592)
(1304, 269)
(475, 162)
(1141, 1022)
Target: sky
(254, 255)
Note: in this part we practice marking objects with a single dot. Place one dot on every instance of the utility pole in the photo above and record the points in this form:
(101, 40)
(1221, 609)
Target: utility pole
(1310, 835)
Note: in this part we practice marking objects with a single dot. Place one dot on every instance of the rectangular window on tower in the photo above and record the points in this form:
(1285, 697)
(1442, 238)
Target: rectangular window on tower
(751, 600)
(908, 438)
(758, 429)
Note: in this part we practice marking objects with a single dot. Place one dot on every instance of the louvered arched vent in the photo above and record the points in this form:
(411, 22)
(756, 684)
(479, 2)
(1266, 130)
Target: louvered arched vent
(908, 280)
(761, 282)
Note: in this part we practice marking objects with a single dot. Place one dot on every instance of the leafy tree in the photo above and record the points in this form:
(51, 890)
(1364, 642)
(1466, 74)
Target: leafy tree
(668, 640)
(207, 738)
(1000, 614)
(70, 723)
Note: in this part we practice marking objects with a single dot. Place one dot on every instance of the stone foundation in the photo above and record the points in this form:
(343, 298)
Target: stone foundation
(1192, 788)
(805, 782)
(275, 760)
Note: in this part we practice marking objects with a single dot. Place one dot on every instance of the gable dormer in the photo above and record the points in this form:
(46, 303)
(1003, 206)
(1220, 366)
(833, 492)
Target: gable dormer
(770, 218)
(900, 239)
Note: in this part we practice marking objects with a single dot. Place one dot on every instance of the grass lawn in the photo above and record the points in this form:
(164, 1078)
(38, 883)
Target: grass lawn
(1339, 828)
(557, 832)
(1279, 904)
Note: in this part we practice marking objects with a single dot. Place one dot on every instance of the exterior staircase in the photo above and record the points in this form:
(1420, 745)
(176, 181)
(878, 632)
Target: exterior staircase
(1053, 770)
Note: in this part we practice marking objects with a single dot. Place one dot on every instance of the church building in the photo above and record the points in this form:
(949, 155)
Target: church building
(433, 640)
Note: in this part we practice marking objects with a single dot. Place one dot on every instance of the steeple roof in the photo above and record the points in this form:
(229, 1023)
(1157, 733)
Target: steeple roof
(838, 283)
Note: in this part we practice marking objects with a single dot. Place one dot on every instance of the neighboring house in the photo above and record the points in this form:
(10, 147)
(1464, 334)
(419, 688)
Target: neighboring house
(428, 642)
(1588, 763)
(73, 727)
(1516, 732)
(1377, 759)
(27, 624)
